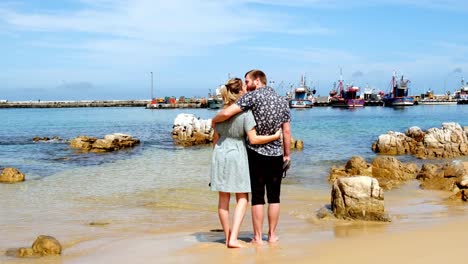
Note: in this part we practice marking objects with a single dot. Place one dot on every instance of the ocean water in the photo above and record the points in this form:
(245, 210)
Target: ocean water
(158, 186)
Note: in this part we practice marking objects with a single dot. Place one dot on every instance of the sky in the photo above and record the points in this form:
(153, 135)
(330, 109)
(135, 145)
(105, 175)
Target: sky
(111, 49)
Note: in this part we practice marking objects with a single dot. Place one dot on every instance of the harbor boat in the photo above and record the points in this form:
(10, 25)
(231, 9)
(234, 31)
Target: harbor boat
(461, 95)
(345, 97)
(215, 101)
(429, 98)
(302, 96)
(399, 93)
(372, 97)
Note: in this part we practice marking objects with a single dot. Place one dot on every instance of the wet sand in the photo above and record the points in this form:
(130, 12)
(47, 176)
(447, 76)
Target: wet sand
(425, 229)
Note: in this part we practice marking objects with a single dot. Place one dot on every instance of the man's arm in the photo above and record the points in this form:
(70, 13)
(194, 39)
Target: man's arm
(286, 127)
(225, 114)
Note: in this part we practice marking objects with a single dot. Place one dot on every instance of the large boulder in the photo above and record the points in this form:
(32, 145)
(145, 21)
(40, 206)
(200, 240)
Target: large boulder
(11, 175)
(188, 130)
(358, 197)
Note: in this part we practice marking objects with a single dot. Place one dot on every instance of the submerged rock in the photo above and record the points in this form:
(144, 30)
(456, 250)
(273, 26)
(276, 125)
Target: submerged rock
(11, 175)
(110, 142)
(358, 197)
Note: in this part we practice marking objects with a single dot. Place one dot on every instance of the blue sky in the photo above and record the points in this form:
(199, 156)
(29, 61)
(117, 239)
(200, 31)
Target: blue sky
(106, 49)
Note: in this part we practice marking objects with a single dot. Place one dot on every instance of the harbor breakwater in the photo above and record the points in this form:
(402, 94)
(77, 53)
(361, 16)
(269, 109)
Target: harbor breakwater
(66, 104)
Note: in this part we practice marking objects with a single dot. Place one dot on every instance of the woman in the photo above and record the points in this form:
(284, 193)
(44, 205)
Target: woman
(230, 168)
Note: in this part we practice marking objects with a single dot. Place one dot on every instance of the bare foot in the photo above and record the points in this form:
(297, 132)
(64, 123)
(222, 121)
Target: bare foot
(235, 244)
(273, 239)
(256, 242)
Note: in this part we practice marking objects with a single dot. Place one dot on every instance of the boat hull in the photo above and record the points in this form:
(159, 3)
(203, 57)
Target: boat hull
(214, 103)
(294, 103)
(399, 101)
(348, 103)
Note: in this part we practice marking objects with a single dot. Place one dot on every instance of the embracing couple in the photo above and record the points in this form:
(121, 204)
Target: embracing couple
(256, 112)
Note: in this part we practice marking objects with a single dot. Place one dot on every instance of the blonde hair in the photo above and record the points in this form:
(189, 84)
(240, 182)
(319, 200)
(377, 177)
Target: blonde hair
(231, 91)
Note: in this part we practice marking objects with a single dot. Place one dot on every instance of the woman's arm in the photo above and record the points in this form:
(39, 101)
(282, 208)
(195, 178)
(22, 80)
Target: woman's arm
(215, 138)
(255, 139)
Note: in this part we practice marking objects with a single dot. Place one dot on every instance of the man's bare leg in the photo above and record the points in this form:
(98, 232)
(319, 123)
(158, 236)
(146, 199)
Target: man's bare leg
(223, 213)
(257, 222)
(273, 218)
(238, 218)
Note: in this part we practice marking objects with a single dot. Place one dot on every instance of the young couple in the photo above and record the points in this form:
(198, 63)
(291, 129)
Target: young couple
(257, 112)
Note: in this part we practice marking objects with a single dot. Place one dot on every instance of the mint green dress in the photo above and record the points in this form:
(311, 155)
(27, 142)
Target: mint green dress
(229, 163)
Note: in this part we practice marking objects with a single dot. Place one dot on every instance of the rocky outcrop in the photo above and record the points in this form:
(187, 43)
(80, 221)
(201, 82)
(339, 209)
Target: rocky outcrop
(42, 246)
(110, 142)
(11, 175)
(358, 197)
(447, 142)
(445, 177)
(387, 170)
(188, 130)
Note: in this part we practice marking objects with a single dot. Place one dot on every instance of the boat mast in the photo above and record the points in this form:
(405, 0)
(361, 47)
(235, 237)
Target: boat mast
(340, 84)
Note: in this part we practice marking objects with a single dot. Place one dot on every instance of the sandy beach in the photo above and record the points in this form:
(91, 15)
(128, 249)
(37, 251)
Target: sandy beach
(425, 229)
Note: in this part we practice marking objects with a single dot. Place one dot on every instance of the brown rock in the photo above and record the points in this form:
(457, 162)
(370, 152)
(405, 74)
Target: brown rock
(11, 175)
(357, 166)
(46, 245)
(299, 144)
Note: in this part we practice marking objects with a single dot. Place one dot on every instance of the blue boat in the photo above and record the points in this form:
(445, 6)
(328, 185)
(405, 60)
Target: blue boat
(302, 96)
(399, 93)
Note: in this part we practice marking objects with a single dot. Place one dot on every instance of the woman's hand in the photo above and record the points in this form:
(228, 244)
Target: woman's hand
(278, 134)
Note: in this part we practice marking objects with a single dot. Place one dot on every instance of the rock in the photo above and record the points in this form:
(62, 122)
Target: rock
(358, 197)
(188, 130)
(390, 168)
(429, 171)
(11, 175)
(447, 142)
(387, 170)
(445, 177)
(84, 143)
(463, 182)
(299, 144)
(46, 245)
(110, 142)
(42, 246)
(358, 166)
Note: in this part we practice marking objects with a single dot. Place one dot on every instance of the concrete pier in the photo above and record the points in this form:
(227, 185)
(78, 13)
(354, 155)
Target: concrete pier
(68, 104)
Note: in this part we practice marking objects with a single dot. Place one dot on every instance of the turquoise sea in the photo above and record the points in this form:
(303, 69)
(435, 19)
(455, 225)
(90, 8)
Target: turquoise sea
(158, 185)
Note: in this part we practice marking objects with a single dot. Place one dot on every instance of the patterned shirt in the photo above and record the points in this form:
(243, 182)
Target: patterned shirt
(270, 111)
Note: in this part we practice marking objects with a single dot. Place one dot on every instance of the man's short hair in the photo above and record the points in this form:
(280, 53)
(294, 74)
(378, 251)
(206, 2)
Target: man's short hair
(254, 74)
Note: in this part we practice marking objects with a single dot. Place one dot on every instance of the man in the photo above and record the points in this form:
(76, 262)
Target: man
(271, 113)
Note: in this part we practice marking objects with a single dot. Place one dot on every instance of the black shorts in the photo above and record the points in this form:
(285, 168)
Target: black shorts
(265, 171)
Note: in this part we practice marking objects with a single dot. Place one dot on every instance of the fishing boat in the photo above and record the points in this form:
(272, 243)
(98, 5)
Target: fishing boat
(345, 97)
(302, 96)
(398, 96)
(461, 95)
(215, 101)
(372, 97)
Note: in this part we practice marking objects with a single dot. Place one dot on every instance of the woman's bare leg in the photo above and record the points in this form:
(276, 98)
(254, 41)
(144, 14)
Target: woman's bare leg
(238, 218)
(223, 213)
